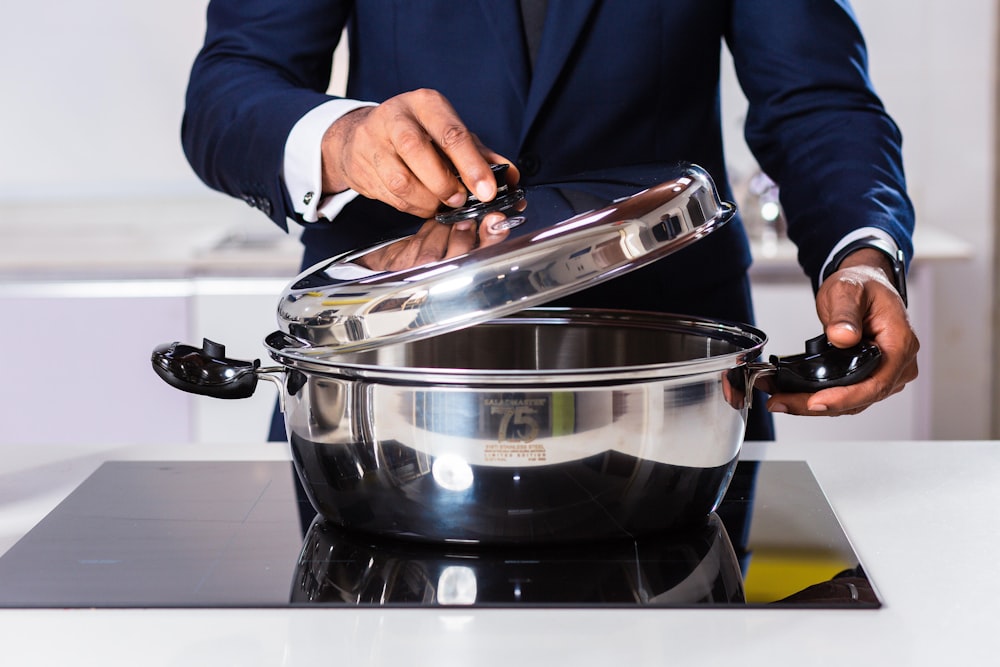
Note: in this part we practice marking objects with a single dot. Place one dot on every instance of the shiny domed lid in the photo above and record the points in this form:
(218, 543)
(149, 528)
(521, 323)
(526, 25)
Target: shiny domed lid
(550, 241)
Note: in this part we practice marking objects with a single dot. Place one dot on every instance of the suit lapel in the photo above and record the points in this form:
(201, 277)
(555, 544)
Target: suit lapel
(564, 22)
(503, 20)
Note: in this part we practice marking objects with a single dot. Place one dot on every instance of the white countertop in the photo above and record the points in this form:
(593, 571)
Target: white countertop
(777, 258)
(921, 515)
(143, 239)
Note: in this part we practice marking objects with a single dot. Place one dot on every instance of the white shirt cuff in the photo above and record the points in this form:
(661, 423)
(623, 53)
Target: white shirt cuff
(861, 233)
(302, 168)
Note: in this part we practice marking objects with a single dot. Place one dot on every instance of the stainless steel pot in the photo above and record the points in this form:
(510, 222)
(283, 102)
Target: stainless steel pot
(439, 403)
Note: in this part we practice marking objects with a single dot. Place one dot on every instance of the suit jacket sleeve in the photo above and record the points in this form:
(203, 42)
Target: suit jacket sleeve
(262, 67)
(816, 125)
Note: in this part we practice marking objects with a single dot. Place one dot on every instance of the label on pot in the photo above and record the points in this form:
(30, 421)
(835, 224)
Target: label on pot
(515, 452)
(510, 429)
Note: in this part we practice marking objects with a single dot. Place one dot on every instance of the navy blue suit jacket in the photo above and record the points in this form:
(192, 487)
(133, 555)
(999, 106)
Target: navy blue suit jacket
(624, 85)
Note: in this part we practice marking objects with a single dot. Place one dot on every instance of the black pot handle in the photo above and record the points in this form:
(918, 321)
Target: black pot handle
(822, 365)
(206, 370)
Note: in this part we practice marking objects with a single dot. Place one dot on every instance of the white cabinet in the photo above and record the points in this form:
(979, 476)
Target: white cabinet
(77, 359)
(76, 362)
(239, 313)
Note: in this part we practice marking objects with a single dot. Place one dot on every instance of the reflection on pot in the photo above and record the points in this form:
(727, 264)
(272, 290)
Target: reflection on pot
(398, 491)
(346, 568)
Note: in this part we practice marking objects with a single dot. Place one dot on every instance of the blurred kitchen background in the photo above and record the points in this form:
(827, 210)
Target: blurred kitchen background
(111, 245)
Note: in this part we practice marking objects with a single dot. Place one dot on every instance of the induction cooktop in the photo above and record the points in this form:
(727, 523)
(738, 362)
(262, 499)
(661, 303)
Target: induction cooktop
(240, 535)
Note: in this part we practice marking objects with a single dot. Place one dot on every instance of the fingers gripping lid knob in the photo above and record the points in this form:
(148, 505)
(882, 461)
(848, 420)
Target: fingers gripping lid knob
(500, 174)
(504, 201)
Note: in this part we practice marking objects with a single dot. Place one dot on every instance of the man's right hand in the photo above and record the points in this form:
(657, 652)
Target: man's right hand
(406, 152)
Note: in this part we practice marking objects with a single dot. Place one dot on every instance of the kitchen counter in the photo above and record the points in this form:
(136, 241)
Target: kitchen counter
(776, 258)
(213, 237)
(143, 240)
(920, 515)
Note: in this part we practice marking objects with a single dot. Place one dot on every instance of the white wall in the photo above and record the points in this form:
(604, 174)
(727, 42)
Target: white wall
(935, 64)
(93, 94)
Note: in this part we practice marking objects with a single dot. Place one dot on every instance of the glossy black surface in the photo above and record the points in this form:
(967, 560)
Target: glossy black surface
(205, 370)
(506, 199)
(239, 534)
(696, 566)
(823, 365)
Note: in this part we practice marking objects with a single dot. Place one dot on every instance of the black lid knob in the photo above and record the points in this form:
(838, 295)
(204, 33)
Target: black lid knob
(213, 349)
(500, 174)
(817, 345)
(504, 200)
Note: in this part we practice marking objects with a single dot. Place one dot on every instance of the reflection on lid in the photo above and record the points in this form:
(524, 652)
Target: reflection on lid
(571, 239)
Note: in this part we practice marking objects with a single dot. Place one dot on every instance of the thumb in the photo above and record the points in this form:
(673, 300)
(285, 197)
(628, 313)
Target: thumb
(842, 314)
(843, 333)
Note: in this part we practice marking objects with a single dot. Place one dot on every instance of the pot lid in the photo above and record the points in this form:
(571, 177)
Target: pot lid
(554, 240)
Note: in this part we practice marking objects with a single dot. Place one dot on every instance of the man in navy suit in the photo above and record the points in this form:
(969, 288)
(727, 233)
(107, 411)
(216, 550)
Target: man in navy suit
(437, 90)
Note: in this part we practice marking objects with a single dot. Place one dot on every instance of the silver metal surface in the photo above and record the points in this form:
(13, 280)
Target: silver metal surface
(544, 425)
(341, 305)
(537, 387)
(546, 346)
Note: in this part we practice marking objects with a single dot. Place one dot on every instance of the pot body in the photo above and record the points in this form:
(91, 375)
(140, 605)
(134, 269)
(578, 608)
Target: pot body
(545, 426)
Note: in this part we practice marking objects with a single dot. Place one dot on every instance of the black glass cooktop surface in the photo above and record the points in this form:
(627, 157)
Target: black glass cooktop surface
(238, 534)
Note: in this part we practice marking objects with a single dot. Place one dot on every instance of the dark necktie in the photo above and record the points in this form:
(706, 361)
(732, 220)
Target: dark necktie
(533, 20)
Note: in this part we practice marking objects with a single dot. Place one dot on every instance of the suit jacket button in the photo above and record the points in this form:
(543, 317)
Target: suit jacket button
(529, 164)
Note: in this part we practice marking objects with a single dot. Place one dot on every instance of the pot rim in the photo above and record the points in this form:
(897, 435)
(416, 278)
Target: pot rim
(298, 355)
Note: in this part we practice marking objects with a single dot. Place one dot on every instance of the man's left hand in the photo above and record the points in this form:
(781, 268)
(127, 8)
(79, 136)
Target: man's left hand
(857, 302)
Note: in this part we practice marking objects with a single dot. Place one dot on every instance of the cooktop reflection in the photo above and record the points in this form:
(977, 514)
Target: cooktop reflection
(238, 534)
